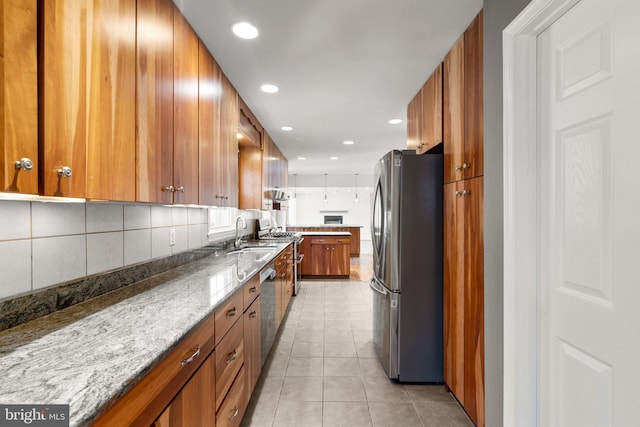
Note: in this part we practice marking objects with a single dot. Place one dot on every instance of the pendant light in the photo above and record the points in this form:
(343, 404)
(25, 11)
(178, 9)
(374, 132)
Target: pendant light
(325, 188)
(356, 199)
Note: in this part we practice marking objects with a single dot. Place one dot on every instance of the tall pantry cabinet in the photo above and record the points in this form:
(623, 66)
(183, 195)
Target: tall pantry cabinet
(463, 233)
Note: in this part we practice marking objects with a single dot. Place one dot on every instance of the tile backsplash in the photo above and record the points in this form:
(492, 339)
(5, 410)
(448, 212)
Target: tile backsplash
(46, 243)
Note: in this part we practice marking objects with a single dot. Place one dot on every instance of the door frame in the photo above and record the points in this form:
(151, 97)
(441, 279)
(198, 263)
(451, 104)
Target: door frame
(521, 230)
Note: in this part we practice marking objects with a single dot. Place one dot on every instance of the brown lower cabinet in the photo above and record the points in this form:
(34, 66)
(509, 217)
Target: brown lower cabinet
(192, 406)
(330, 256)
(464, 295)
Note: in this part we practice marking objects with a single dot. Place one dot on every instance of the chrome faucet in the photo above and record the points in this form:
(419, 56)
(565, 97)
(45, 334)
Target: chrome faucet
(239, 219)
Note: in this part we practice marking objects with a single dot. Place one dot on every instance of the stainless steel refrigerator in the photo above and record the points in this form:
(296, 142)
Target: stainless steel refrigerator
(407, 234)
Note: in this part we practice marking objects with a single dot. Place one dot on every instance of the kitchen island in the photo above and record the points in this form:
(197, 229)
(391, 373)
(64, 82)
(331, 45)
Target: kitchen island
(353, 229)
(325, 254)
(124, 357)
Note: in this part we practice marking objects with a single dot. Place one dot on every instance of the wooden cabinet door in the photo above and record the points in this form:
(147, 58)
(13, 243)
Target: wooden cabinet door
(340, 261)
(154, 98)
(305, 248)
(453, 112)
(193, 406)
(111, 119)
(431, 134)
(473, 100)
(320, 260)
(473, 195)
(454, 289)
(355, 241)
(64, 95)
(228, 156)
(252, 344)
(88, 108)
(185, 111)
(414, 122)
(211, 176)
(19, 95)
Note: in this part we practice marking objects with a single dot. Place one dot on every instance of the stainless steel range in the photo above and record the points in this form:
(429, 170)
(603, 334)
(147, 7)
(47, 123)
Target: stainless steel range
(265, 232)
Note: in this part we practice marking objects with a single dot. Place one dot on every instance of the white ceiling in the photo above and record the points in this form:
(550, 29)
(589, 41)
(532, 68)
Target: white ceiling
(344, 68)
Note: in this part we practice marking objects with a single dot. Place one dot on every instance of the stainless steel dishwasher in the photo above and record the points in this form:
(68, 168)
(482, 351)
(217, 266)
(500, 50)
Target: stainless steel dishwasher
(267, 310)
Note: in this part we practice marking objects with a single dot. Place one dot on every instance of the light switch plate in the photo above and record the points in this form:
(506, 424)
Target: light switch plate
(172, 236)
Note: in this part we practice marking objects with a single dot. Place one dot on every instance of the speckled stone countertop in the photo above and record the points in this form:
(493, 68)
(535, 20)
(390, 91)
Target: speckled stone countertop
(90, 354)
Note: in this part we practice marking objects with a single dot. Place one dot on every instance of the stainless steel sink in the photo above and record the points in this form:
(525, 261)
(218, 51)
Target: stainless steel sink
(261, 253)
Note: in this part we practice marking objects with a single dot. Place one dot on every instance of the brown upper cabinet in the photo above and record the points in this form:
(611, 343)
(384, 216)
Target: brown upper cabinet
(431, 133)
(249, 158)
(88, 99)
(185, 111)
(19, 103)
(463, 108)
(228, 154)
(424, 115)
(211, 179)
(414, 121)
(154, 97)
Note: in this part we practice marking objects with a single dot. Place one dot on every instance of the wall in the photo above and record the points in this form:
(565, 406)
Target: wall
(47, 243)
(497, 15)
(305, 208)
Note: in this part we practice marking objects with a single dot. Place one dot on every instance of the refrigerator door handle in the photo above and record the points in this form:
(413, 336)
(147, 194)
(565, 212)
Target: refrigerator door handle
(373, 285)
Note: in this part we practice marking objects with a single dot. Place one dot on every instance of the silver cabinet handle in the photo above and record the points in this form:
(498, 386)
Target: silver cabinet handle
(192, 357)
(24, 163)
(458, 168)
(253, 315)
(180, 189)
(168, 189)
(231, 313)
(458, 193)
(65, 172)
(233, 357)
(466, 192)
(252, 290)
(466, 165)
(235, 414)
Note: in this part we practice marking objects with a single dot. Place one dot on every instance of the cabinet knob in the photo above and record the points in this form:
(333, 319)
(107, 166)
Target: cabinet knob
(180, 189)
(458, 168)
(65, 172)
(168, 189)
(466, 165)
(458, 193)
(466, 192)
(24, 163)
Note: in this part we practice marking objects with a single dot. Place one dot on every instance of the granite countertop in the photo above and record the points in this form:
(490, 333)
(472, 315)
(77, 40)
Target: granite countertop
(90, 354)
(325, 233)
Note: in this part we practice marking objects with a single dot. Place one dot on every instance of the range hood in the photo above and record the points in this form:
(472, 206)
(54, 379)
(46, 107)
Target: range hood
(276, 195)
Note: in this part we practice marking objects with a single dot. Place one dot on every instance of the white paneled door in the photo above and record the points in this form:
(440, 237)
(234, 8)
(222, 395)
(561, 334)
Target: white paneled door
(588, 211)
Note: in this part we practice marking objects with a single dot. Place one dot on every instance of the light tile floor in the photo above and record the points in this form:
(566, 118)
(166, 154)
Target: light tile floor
(322, 370)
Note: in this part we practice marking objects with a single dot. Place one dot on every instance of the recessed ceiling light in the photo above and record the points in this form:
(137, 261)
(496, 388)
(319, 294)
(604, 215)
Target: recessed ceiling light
(395, 121)
(302, 158)
(244, 30)
(348, 142)
(239, 135)
(286, 128)
(334, 158)
(269, 88)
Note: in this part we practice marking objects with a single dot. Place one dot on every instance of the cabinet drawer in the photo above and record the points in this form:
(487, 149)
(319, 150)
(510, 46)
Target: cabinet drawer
(232, 409)
(250, 291)
(228, 314)
(330, 240)
(146, 400)
(229, 360)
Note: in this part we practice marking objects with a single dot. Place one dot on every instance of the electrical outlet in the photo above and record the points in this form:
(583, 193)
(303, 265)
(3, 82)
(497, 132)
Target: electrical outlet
(172, 236)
